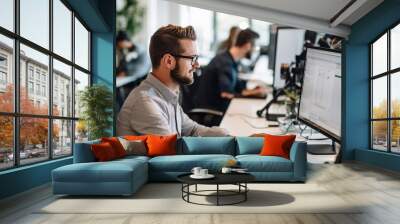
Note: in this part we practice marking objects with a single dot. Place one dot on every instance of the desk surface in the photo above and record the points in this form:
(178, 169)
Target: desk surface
(241, 119)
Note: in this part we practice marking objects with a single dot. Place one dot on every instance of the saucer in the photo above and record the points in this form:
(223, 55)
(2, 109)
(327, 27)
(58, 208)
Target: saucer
(208, 176)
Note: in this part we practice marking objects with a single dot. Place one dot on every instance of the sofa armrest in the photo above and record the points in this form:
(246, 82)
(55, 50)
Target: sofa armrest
(298, 155)
(83, 152)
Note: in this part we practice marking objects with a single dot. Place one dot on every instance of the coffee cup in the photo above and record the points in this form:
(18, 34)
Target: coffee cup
(203, 172)
(196, 171)
(226, 170)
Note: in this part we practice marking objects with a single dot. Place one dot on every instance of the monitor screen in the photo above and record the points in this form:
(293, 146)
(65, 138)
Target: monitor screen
(320, 101)
(289, 43)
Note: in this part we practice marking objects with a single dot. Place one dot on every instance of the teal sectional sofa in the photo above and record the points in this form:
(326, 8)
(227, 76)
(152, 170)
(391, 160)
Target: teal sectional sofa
(125, 176)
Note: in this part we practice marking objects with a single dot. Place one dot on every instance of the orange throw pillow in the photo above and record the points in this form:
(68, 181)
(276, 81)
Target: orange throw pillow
(103, 152)
(277, 145)
(161, 145)
(116, 145)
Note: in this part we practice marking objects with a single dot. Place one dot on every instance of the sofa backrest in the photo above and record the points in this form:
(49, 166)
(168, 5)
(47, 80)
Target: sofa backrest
(249, 145)
(207, 145)
(83, 152)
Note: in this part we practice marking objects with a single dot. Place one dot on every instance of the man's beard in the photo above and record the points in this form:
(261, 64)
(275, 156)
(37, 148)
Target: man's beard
(181, 79)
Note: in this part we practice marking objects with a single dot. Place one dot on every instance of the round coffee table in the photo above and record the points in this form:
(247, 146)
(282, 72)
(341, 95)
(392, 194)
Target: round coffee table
(238, 179)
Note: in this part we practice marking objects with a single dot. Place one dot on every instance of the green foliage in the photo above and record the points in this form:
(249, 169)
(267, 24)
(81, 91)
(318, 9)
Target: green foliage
(130, 17)
(96, 102)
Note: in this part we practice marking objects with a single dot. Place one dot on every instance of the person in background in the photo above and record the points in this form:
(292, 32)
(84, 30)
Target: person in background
(228, 43)
(123, 46)
(153, 107)
(219, 82)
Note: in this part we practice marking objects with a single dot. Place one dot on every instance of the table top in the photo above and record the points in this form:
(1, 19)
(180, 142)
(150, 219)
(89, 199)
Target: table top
(220, 178)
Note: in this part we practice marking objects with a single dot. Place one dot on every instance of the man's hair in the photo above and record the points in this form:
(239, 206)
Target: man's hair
(246, 36)
(166, 40)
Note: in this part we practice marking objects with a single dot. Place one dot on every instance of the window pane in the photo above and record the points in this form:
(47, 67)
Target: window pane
(81, 131)
(379, 135)
(81, 45)
(395, 47)
(34, 72)
(395, 94)
(379, 55)
(7, 14)
(81, 81)
(62, 29)
(379, 98)
(33, 139)
(62, 89)
(35, 21)
(6, 142)
(226, 21)
(395, 136)
(6, 74)
(62, 138)
(262, 28)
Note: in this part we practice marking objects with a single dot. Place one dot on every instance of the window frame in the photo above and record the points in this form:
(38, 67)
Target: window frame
(16, 114)
(388, 74)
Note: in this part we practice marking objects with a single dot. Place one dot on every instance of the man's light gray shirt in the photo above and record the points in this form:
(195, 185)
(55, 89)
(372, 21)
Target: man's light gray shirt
(152, 108)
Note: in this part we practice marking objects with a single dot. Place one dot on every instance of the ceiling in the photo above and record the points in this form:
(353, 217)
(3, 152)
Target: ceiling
(313, 15)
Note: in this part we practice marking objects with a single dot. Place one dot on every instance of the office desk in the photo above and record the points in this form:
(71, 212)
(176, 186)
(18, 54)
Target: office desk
(241, 119)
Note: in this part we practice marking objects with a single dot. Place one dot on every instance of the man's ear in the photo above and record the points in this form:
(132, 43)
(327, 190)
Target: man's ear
(169, 61)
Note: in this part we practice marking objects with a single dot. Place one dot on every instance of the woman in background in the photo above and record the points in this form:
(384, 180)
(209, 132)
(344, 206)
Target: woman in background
(228, 43)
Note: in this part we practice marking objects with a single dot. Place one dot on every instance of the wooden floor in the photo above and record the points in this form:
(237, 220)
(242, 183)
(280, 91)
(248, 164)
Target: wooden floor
(378, 189)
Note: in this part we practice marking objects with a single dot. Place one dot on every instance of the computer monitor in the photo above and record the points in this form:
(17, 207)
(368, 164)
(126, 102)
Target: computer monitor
(320, 101)
(289, 43)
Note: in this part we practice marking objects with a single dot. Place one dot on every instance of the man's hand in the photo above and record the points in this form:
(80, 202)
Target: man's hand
(258, 91)
(227, 95)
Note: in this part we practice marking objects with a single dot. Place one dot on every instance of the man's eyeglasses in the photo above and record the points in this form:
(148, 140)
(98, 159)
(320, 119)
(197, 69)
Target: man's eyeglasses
(193, 58)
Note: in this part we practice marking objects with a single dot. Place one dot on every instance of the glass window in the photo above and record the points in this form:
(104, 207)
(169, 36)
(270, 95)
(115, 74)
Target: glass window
(62, 138)
(81, 45)
(30, 87)
(62, 29)
(379, 56)
(34, 142)
(7, 14)
(81, 81)
(81, 131)
(262, 28)
(6, 142)
(395, 136)
(395, 95)
(7, 74)
(379, 98)
(379, 135)
(226, 21)
(34, 21)
(39, 61)
(395, 47)
(63, 72)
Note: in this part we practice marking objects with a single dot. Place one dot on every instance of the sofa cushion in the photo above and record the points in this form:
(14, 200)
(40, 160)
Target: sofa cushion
(208, 145)
(115, 171)
(249, 145)
(257, 163)
(185, 163)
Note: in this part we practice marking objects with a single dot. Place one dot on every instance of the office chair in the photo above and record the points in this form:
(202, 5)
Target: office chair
(205, 116)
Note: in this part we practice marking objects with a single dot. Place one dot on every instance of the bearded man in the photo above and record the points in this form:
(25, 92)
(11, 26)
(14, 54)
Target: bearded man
(153, 107)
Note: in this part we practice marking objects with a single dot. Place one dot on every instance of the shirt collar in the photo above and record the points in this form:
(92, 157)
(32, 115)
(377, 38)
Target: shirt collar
(167, 93)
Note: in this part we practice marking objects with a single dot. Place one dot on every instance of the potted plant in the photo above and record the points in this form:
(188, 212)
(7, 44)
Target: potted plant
(96, 103)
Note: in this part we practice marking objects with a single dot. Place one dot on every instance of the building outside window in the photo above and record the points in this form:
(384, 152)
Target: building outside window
(56, 128)
(385, 94)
